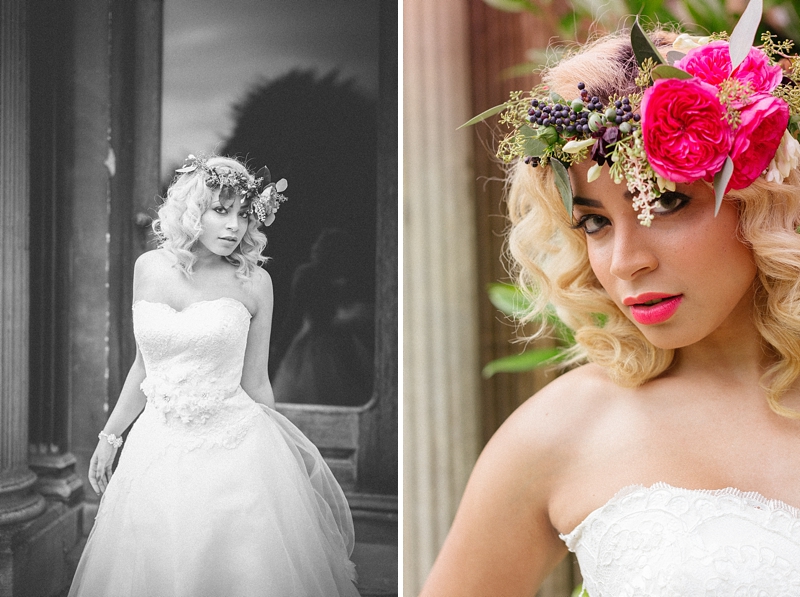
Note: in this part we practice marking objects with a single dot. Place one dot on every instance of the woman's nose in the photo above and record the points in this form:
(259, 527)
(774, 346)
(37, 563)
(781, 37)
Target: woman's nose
(633, 253)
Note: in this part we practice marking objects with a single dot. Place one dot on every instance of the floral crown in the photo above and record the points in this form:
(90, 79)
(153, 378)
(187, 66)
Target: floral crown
(264, 196)
(718, 109)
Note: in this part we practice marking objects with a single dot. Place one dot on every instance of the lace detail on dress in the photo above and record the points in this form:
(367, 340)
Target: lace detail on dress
(193, 359)
(668, 541)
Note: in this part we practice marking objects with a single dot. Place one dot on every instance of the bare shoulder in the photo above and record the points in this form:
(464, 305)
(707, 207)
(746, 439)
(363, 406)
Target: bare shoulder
(260, 291)
(548, 425)
(503, 540)
(155, 261)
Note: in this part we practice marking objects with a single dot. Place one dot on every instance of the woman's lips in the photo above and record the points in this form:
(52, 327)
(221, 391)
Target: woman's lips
(654, 313)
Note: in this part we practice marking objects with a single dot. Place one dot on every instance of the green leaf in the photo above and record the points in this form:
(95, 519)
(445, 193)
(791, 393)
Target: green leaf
(530, 359)
(513, 5)
(557, 99)
(563, 184)
(534, 147)
(665, 71)
(579, 592)
(673, 56)
(509, 299)
(744, 34)
(721, 180)
(534, 144)
(643, 48)
(483, 115)
(548, 134)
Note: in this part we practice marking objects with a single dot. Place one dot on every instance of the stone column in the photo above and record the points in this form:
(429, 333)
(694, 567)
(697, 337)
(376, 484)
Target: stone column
(440, 320)
(18, 502)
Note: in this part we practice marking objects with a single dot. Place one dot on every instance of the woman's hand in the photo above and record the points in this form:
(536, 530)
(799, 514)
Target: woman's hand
(100, 466)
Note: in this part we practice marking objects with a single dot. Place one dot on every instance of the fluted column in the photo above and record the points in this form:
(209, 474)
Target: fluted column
(440, 320)
(18, 502)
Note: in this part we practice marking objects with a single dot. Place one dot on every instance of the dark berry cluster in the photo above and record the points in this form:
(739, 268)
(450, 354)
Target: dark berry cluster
(573, 118)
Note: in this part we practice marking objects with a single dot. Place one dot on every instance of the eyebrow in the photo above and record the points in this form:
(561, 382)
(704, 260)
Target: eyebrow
(586, 202)
(578, 200)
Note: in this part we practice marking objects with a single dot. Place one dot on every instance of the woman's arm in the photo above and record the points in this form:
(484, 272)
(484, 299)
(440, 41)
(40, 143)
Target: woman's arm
(502, 541)
(131, 399)
(255, 376)
(130, 404)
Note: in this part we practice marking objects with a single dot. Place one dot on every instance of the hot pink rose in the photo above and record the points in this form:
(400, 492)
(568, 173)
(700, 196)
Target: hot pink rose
(763, 123)
(686, 136)
(712, 63)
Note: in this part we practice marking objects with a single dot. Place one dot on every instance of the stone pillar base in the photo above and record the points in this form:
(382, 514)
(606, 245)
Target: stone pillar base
(18, 501)
(56, 477)
(33, 555)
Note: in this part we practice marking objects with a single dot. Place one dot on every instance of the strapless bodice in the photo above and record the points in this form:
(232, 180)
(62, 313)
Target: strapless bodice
(193, 359)
(666, 541)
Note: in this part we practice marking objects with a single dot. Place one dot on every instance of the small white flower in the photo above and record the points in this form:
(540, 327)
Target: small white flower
(785, 160)
(664, 184)
(594, 173)
(576, 146)
(685, 42)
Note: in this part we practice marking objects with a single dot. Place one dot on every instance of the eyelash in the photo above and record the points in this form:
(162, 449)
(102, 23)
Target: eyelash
(684, 201)
(222, 211)
(581, 224)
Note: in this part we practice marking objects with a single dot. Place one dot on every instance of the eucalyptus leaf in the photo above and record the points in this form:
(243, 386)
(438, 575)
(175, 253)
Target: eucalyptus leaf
(534, 147)
(513, 5)
(548, 134)
(673, 56)
(525, 361)
(744, 34)
(509, 299)
(483, 116)
(643, 48)
(562, 183)
(665, 71)
(721, 180)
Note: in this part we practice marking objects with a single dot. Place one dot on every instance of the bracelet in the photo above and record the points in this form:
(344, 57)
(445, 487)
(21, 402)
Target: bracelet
(111, 439)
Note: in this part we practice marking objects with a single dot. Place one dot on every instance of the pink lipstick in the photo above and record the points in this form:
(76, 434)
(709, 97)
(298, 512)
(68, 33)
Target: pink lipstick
(651, 308)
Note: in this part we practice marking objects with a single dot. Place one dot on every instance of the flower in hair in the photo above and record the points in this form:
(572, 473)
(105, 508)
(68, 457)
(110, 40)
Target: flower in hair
(686, 137)
(262, 194)
(720, 110)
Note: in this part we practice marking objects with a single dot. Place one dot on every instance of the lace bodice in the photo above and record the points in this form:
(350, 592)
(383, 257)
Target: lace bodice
(194, 359)
(667, 541)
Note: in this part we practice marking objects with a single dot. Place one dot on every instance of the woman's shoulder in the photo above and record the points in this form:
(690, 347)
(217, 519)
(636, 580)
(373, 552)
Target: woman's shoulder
(157, 259)
(258, 291)
(549, 425)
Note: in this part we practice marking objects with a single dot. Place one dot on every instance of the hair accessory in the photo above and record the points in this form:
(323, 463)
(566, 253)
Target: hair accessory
(264, 196)
(111, 439)
(718, 110)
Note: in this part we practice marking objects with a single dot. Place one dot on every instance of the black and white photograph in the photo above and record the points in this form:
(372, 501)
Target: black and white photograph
(199, 292)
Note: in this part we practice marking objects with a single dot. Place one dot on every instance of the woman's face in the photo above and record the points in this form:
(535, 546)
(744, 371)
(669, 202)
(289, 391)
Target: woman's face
(678, 281)
(223, 227)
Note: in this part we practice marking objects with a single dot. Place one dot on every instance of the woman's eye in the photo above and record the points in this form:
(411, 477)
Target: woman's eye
(244, 215)
(220, 210)
(592, 223)
(669, 202)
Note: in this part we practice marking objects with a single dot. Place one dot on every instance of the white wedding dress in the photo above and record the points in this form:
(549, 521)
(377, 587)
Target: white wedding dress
(663, 541)
(214, 494)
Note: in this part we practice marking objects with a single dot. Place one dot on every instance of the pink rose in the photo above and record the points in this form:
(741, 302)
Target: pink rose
(712, 63)
(763, 123)
(686, 136)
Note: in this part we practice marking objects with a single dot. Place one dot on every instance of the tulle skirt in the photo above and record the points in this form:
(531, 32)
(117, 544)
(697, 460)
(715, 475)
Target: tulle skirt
(259, 516)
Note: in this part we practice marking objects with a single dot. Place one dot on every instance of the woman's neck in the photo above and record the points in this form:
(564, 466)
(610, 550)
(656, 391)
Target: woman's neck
(735, 351)
(204, 258)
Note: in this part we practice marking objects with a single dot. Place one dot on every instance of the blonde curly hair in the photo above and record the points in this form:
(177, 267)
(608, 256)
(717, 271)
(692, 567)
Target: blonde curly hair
(550, 261)
(178, 225)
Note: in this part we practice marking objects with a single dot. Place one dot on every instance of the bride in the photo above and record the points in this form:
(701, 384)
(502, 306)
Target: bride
(668, 463)
(215, 493)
